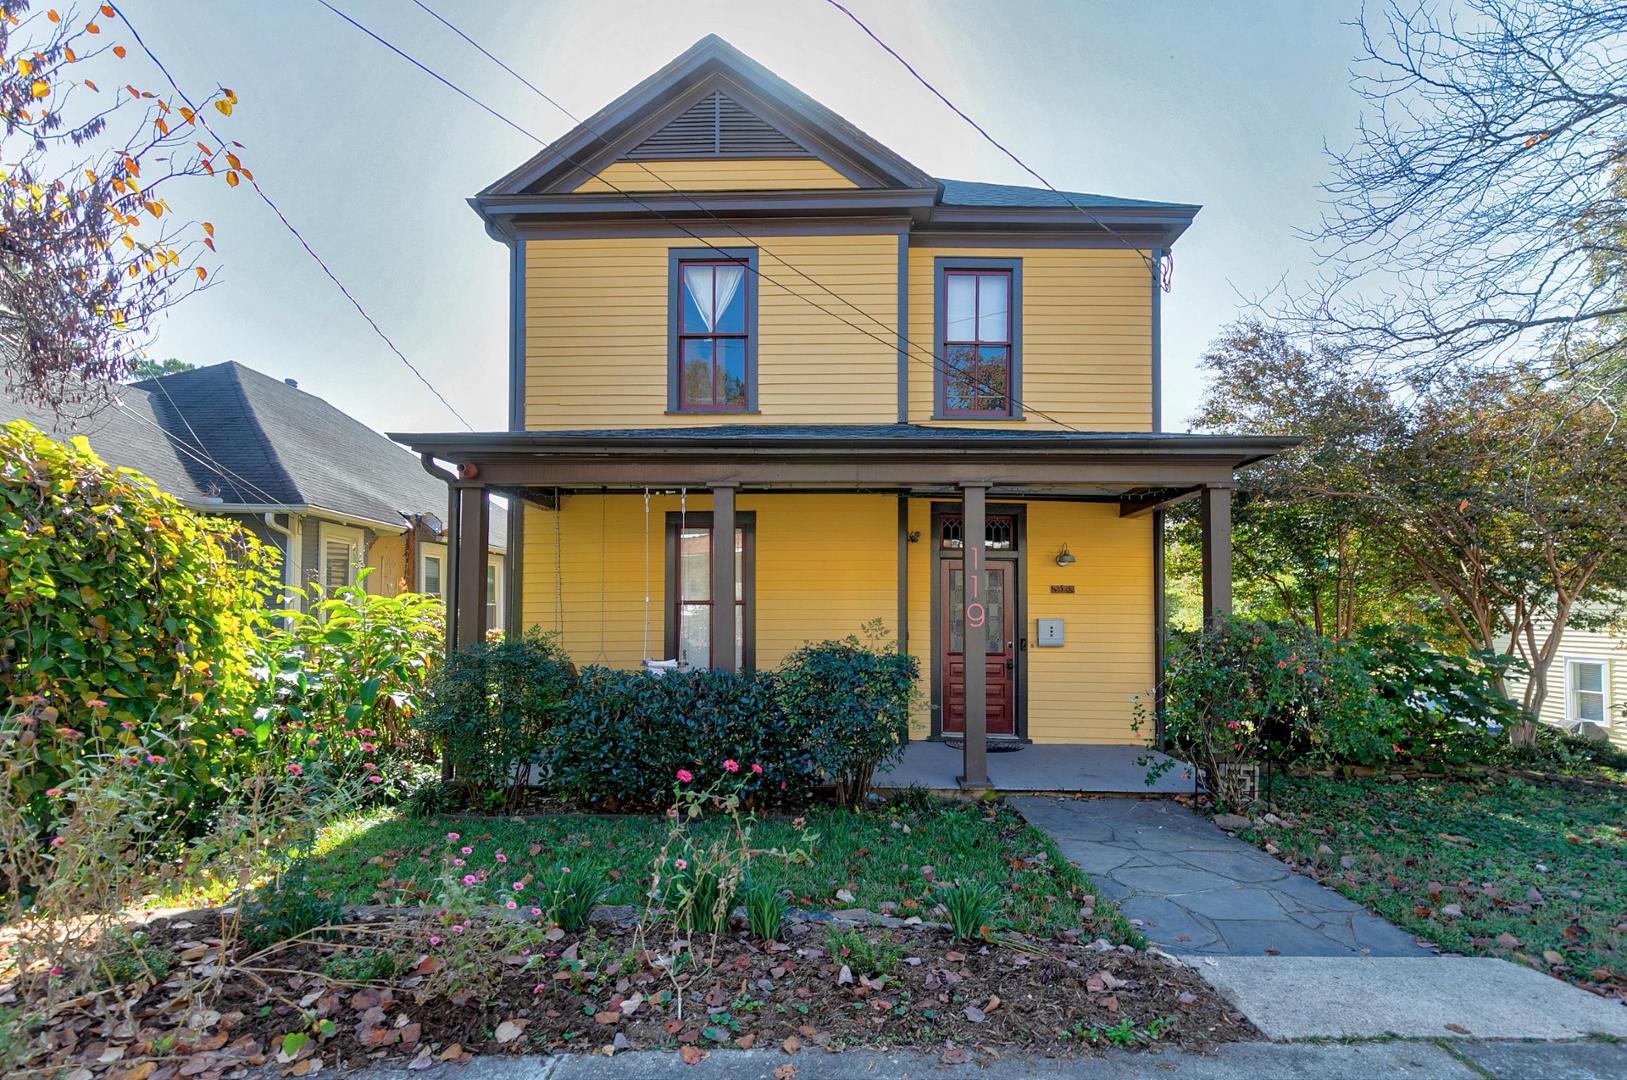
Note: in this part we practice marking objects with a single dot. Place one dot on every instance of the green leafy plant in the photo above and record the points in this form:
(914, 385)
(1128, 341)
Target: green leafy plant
(570, 895)
(765, 906)
(432, 798)
(131, 956)
(864, 955)
(362, 966)
(971, 907)
(853, 699)
(286, 909)
(494, 708)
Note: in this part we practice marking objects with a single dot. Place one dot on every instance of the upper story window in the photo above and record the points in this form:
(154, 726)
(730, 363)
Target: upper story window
(713, 332)
(979, 335)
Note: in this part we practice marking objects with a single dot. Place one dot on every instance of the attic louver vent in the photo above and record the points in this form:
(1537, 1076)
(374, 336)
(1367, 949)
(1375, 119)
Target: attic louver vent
(717, 126)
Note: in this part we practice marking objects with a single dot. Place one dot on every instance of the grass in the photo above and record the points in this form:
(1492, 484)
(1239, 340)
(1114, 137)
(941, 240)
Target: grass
(1533, 872)
(897, 855)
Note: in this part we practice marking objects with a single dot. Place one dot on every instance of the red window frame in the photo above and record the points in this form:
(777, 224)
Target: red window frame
(744, 337)
(951, 372)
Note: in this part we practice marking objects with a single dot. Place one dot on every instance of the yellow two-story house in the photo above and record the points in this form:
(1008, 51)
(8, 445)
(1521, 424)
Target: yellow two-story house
(770, 382)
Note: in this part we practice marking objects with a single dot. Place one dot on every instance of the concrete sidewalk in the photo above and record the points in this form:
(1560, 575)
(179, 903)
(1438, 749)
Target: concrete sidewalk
(1234, 1061)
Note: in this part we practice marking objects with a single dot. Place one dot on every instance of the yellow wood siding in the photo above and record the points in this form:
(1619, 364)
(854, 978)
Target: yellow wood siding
(1086, 337)
(806, 591)
(817, 587)
(596, 332)
(716, 174)
(1606, 644)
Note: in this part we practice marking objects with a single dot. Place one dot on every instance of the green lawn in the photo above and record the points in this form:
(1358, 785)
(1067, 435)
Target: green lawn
(388, 858)
(1535, 872)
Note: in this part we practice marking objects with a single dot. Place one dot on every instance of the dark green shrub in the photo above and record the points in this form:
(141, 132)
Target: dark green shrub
(125, 616)
(286, 910)
(627, 734)
(1449, 706)
(131, 956)
(854, 701)
(432, 798)
(492, 709)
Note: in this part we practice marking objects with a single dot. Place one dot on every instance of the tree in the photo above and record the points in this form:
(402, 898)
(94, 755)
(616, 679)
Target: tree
(1304, 553)
(1479, 215)
(147, 368)
(91, 249)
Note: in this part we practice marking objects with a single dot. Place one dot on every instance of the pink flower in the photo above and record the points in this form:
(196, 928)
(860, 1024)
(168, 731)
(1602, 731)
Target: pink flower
(756, 768)
(672, 812)
(536, 911)
(681, 864)
(685, 776)
(511, 905)
(239, 732)
(53, 792)
(457, 862)
(295, 770)
(451, 836)
(127, 725)
(159, 759)
(518, 885)
(539, 988)
(1299, 670)
(469, 879)
(457, 928)
(375, 779)
(501, 857)
(467, 850)
(433, 940)
(368, 748)
(55, 972)
(564, 869)
(95, 703)
(731, 765)
(57, 841)
(1282, 663)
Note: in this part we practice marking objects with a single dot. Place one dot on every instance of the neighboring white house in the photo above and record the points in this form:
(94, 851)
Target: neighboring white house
(1588, 680)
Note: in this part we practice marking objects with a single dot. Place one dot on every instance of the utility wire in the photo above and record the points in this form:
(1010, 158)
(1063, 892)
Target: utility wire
(937, 362)
(201, 455)
(992, 141)
(309, 250)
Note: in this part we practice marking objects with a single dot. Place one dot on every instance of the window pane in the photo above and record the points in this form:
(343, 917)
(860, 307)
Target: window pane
(432, 575)
(697, 372)
(957, 610)
(960, 306)
(731, 300)
(739, 636)
(994, 596)
(989, 385)
(1590, 706)
(960, 379)
(491, 596)
(731, 358)
(993, 303)
(695, 565)
(1589, 677)
(696, 299)
(739, 566)
(695, 634)
(336, 568)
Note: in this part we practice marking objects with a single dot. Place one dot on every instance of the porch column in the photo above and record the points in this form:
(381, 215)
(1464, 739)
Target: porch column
(974, 613)
(1216, 515)
(723, 584)
(469, 597)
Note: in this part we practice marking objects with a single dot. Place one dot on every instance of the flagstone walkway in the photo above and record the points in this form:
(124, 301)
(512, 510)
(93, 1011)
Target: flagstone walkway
(1194, 890)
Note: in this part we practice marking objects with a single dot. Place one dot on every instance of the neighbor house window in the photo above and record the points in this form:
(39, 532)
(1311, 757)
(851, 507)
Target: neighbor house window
(430, 579)
(341, 555)
(979, 323)
(494, 596)
(689, 589)
(1588, 691)
(713, 332)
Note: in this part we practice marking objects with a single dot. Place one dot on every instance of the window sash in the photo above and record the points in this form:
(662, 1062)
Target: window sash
(1589, 691)
(720, 398)
(432, 570)
(688, 603)
(977, 343)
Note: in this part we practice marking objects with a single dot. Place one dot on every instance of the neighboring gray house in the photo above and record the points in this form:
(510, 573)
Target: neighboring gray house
(328, 492)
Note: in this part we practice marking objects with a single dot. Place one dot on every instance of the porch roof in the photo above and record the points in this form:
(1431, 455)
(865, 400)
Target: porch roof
(1143, 469)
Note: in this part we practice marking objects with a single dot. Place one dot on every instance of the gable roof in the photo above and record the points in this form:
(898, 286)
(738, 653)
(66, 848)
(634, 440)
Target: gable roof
(228, 436)
(709, 66)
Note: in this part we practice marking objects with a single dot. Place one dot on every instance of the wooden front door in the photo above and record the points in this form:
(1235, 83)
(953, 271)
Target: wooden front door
(1001, 646)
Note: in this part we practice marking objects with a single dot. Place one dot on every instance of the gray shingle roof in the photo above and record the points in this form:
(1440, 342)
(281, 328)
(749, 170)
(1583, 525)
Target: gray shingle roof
(976, 193)
(227, 432)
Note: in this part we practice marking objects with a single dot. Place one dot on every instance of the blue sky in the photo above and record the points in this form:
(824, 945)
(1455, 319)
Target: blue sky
(1228, 105)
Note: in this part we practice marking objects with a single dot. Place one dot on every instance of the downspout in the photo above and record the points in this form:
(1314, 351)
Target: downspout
(270, 519)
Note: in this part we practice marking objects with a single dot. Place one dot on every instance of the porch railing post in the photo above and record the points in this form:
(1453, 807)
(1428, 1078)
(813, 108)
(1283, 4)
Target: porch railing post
(470, 598)
(974, 616)
(723, 583)
(1216, 516)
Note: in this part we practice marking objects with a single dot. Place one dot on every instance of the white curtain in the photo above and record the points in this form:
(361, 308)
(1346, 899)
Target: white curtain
(699, 281)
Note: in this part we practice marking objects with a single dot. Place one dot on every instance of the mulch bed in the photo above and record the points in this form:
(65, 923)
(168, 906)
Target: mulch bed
(594, 992)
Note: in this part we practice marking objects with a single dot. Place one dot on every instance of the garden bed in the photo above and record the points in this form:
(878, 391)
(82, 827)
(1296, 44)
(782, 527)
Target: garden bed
(598, 991)
(1532, 872)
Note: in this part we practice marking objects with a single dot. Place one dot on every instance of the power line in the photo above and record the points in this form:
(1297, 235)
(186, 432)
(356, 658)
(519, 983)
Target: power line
(992, 141)
(937, 362)
(201, 455)
(297, 235)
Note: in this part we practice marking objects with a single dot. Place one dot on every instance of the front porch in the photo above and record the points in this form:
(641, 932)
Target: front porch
(1072, 768)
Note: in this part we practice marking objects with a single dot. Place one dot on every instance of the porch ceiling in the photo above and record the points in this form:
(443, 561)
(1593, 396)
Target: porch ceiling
(882, 457)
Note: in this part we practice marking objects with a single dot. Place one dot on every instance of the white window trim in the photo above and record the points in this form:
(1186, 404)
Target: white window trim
(341, 534)
(495, 595)
(1571, 690)
(439, 555)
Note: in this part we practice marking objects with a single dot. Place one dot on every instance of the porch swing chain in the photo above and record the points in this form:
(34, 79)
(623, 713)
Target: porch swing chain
(646, 652)
(678, 561)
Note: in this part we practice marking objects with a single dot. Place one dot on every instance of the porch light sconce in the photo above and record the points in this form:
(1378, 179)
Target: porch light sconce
(1064, 557)
(915, 536)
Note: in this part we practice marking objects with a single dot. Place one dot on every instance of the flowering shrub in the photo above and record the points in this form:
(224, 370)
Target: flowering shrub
(123, 615)
(492, 709)
(342, 682)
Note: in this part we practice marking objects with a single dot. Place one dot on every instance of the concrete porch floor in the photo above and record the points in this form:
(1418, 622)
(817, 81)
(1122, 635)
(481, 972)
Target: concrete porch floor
(1062, 767)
